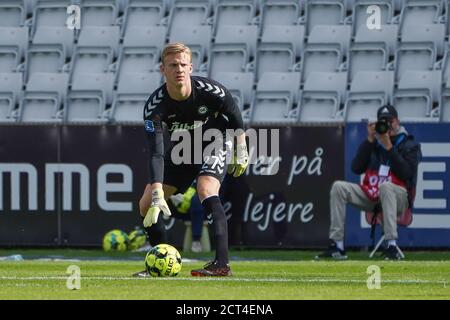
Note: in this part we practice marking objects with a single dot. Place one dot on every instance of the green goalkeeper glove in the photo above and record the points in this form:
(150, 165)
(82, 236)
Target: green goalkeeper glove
(240, 161)
(158, 205)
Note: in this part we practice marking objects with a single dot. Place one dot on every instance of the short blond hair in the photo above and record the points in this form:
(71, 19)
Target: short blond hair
(175, 47)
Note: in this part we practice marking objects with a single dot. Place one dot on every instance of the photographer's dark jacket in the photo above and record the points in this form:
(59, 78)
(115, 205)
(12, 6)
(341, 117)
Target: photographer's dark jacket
(403, 160)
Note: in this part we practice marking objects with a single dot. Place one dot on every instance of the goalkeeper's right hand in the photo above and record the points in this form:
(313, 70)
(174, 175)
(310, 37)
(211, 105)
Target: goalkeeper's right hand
(158, 205)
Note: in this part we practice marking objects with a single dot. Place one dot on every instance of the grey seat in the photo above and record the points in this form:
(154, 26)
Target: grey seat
(188, 13)
(13, 45)
(360, 14)
(369, 90)
(416, 93)
(322, 96)
(97, 47)
(420, 13)
(426, 33)
(364, 57)
(240, 85)
(286, 34)
(10, 93)
(274, 58)
(44, 59)
(324, 12)
(245, 36)
(98, 13)
(13, 13)
(234, 13)
(89, 97)
(320, 59)
(132, 93)
(43, 99)
(275, 99)
(55, 36)
(143, 14)
(385, 38)
(412, 56)
(279, 12)
(49, 13)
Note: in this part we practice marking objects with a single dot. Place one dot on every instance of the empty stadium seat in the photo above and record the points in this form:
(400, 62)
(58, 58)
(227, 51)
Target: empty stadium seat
(97, 47)
(12, 13)
(227, 58)
(88, 97)
(188, 13)
(320, 59)
(10, 93)
(411, 56)
(132, 93)
(281, 34)
(420, 13)
(279, 12)
(324, 12)
(275, 99)
(416, 93)
(234, 13)
(98, 13)
(44, 59)
(322, 96)
(240, 84)
(385, 38)
(331, 35)
(274, 58)
(366, 58)
(426, 33)
(49, 13)
(55, 36)
(445, 107)
(143, 14)
(369, 90)
(245, 36)
(43, 98)
(13, 45)
(360, 14)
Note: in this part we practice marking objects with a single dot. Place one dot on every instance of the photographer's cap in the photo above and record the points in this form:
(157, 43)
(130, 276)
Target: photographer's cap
(387, 111)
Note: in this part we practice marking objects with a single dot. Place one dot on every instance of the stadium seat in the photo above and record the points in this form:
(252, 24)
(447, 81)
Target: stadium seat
(245, 36)
(385, 38)
(279, 12)
(240, 85)
(320, 59)
(416, 93)
(98, 13)
(324, 12)
(291, 35)
(12, 13)
(322, 96)
(88, 97)
(188, 13)
(97, 47)
(445, 107)
(10, 93)
(369, 90)
(275, 99)
(44, 59)
(49, 13)
(227, 58)
(44, 97)
(366, 58)
(420, 13)
(55, 36)
(411, 56)
(13, 45)
(274, 58)
(197, 38)
(132, 92)
(426, 33)
(331, 35)
(233, 13)
(141, 50)
(360, 15)
(143, 14)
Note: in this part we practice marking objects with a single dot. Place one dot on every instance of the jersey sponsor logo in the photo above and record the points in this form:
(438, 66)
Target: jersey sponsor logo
(202, 109)
(154, 101)
(149, 127)
(177, 126)
(208, 87)
(170, 116)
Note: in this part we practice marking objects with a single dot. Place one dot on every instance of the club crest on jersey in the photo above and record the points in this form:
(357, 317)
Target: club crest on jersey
(149, 127)
(202, 110)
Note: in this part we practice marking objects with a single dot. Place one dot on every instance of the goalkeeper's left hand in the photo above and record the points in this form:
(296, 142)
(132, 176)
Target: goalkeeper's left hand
(158, 205)
(240, 161)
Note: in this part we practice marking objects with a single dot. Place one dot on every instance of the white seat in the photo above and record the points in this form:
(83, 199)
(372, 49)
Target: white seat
(411, 56)
(366, 58)
(96, 13)
(280, 34)
(227, 58)
(420, 13)
(44, 59)
(239, 35)
(331, 35)
(426, 33)
(324, 12)
(188, 13)
(55, 35)
(274, 58)
(13, 45)
(234, 13)
(49, 13)
(143, 14)
(385, 38)
(320, 59)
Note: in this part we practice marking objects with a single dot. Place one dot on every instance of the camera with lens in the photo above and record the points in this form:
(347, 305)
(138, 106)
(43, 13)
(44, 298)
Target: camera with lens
(382, 126)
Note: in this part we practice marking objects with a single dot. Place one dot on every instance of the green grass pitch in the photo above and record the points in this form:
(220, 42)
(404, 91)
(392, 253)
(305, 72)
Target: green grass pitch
(280, 275)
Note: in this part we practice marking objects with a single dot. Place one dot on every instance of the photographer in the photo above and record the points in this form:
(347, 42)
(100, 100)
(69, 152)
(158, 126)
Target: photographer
(389, 158)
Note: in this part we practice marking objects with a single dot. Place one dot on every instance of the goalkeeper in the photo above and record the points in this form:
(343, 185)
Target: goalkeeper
(184, 104)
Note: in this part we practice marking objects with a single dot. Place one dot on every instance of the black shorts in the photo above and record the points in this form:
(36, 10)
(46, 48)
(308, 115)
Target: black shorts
(181, 176)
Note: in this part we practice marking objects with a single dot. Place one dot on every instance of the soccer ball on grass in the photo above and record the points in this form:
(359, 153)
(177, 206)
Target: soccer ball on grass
(163, 260)
(115, 240)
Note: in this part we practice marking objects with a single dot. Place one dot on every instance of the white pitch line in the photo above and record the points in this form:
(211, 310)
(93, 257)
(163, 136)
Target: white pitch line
(311, 280)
